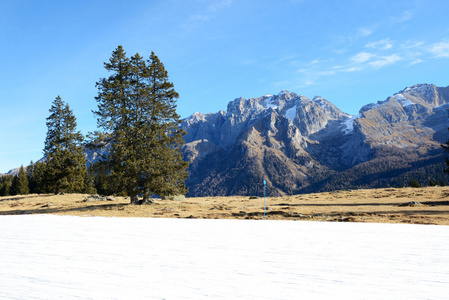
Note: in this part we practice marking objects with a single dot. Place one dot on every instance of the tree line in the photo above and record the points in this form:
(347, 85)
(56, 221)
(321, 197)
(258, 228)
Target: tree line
(137, 124)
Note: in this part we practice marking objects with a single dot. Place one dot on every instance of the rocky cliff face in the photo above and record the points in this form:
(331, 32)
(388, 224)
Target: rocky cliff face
(297, 143)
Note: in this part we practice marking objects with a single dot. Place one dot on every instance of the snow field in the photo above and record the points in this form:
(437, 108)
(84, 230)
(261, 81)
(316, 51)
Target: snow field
(61, 257)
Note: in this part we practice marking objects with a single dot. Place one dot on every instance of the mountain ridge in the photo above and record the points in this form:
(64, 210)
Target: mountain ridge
(298, 144)
(302, 145)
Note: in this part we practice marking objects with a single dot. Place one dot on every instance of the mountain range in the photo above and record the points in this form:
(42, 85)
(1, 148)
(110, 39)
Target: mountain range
(302, 145)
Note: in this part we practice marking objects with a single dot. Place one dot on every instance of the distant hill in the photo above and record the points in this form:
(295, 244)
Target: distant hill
(13, 172)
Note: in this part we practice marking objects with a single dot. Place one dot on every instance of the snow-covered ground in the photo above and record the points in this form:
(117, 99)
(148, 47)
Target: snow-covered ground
(60, 257)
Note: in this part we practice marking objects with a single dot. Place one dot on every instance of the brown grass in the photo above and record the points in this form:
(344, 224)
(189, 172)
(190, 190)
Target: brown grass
(370, 205)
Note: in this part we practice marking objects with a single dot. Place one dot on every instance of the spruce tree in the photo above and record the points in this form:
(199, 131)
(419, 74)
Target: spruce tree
(20, 183)
(137, 113)
(65, 169)
(30, 177)
(37, 181)
(166, 174)
(13, 190)
(5, 185)
(89, 184)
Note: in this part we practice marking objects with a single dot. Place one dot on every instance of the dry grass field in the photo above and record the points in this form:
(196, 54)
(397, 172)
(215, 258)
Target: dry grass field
(429, 205)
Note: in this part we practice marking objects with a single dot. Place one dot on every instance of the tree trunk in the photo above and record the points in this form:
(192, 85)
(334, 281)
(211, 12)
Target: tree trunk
(134, 199)
(146, 197)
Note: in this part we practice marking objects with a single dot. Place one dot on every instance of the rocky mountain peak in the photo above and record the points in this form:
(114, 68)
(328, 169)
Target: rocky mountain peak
(427, 96)
(295, 142)
(424, 91)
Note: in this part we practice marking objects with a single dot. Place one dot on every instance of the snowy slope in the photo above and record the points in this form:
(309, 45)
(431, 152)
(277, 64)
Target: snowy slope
(55, 257)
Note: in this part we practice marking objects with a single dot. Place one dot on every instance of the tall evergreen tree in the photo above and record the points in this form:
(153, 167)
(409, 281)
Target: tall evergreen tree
(37, 182)
(30, 177)
(65, 169)
(5, 185)
(167, 173)
(13, 190)
(137, 112)
(20, 183)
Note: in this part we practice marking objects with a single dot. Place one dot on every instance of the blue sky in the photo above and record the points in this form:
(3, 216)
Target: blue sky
(349, 52)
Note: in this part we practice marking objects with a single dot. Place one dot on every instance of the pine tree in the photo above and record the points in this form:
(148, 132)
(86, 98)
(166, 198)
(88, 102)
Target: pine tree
(20, 183)
(5, 185)
(167, 174)
(65, 169)
(137, 110)
(89, 184)
(38, 178)
(30, 177)
(102, 181)
(14, 190)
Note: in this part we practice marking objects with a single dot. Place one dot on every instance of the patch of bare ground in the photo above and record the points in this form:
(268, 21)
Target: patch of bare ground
(429, 205)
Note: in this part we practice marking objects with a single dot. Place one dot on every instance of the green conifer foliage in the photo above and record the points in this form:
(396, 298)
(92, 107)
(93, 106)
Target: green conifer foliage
(14, 186)
(20, 183)
(5, 185)
(65, 169)
(29, 174)
(37, 178)
(137, 110)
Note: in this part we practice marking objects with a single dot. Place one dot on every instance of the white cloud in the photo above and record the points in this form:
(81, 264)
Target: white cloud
(406, 15)
(210, 11)
(219, 5)
(440, 49)
(412, 44)
(416, 61)
(365, 31)
(385, 60)
(309, 82)
(352, 69)
(361, 57)
(382, 44)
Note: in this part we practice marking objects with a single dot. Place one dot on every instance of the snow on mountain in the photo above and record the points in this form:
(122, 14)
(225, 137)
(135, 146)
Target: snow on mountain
(62, 257)
(349, 124)
(402, 100)
(270, 103)
(320, 101)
